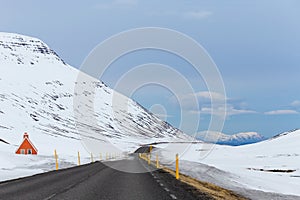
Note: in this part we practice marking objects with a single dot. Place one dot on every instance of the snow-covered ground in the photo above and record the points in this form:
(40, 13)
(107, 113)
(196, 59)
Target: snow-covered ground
(271, 166)
(15, 166)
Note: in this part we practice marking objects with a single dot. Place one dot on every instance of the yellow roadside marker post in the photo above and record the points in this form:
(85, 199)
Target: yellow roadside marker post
(177, 167)
(150, 149)
(149, 159)
(78, 158)
(92, 159)
(56, 159)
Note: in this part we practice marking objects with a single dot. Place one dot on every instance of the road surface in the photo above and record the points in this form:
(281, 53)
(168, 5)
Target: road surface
(97, 181)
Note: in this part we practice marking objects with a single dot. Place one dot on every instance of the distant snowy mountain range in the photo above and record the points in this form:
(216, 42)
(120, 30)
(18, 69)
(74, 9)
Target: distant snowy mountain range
(233, 140)
(37, 96)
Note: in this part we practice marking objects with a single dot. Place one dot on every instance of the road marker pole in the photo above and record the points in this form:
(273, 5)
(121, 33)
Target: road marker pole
(157, 165)
(56, 159)
(92, 159)
(78, 158)
(150, 148)
(149, 159)
(177, 167)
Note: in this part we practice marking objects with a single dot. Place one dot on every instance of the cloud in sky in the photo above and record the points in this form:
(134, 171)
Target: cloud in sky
(230, 110)
(116, 3)
(281, 112)
(193, 101)
(126, 2)
(205, 96)
(204, 100)
(198, 15)
(191, 15)
(295, 103)
(210, 95)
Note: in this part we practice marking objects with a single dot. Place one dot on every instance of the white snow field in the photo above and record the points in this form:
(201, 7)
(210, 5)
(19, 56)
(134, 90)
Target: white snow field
(15, 166)
(272, 165)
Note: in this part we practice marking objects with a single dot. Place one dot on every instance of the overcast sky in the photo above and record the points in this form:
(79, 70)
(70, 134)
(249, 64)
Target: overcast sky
(255, 44)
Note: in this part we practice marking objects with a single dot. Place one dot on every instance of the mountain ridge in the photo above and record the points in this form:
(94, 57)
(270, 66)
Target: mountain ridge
(232, 140)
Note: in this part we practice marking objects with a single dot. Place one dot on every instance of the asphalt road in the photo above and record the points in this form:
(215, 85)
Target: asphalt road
(97, 181)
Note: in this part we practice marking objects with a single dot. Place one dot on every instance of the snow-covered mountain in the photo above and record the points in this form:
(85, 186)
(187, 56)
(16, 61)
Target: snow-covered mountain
(233, 140)
(37, 95)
